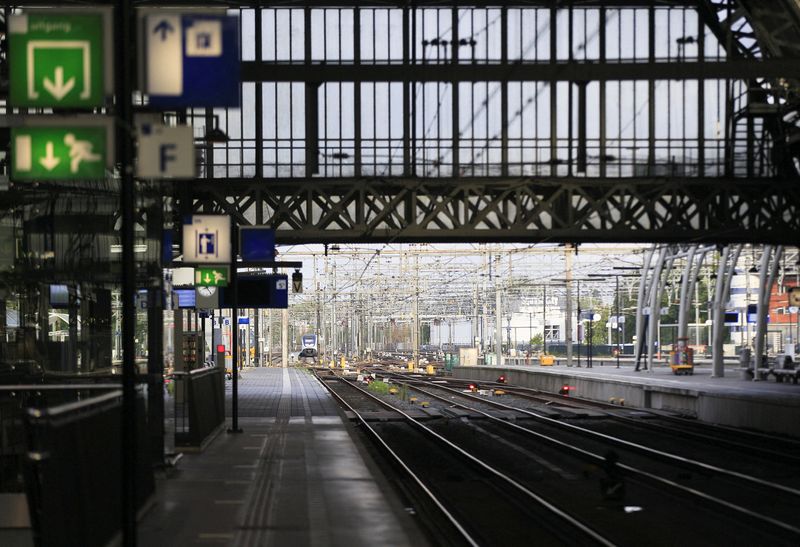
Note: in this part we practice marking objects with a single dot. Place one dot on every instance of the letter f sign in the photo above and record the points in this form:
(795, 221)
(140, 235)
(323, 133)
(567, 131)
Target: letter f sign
(166, 155)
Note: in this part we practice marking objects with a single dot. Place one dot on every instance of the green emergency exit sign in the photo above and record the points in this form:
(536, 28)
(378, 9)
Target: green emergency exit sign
(58, 153)
(56, 60)
(214, 276)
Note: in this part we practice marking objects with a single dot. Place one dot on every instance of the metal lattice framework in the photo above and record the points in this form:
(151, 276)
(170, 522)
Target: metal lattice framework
(516, 210)
(739, 185)
(650, 121)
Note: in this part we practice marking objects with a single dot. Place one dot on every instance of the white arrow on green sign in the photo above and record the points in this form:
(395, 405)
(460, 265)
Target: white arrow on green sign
(56, 60)
(214, 276)
(58, 153)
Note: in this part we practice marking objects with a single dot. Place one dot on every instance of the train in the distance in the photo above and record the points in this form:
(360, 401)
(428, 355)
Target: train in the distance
(308, 351)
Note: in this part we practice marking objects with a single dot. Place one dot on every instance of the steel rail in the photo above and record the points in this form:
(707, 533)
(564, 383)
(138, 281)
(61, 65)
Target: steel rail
(674, 430)
(525, 393)
(755, 435)
(637, 447)
(573, 521)
(376, 436)
(595, 457)
(539, 395)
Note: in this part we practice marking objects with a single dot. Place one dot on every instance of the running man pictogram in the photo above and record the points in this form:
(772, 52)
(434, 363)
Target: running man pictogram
(79, 151)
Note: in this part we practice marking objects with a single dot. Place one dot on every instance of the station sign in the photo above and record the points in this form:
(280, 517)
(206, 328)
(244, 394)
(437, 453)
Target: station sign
(257, 243)
(207, 238)
(59, 153)
(59, 59)
(212, 276)
(191, 59)
(166, 152)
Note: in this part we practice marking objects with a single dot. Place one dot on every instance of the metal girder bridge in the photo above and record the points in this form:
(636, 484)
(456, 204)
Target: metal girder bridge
(582, 188)
(518, 121)
(554, 209)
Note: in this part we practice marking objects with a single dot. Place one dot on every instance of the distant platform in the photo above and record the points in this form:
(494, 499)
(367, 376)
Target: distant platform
(764, 405)
(294, 476)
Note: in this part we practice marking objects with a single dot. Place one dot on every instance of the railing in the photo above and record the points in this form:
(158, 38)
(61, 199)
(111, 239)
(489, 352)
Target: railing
(14, 402)
(73, 468)
(199, 406)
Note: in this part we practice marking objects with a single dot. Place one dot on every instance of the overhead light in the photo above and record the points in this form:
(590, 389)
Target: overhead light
(140, 248)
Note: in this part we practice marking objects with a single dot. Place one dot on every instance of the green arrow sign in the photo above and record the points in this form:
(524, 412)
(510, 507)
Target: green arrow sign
(216, 276)
(56, 60)
(58, 153)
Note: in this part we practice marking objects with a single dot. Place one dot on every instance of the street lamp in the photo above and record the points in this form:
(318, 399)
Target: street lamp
(616, 277)
(578, 280)
(592, 318)
(544, 319)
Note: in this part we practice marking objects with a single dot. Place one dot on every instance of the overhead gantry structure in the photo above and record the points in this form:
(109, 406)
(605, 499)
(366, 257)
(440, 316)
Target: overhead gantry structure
(646, 121)
(537, 120)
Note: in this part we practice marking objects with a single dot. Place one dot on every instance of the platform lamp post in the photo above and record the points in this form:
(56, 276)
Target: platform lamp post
(591, 277)
(544, 321)
(578, 301)
(592, 318)
(616, 276)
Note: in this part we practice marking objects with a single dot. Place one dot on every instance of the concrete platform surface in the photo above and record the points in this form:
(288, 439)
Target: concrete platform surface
(662, 375)
(295, 476)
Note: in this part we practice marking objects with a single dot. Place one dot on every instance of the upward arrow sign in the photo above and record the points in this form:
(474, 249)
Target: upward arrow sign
(164, 28)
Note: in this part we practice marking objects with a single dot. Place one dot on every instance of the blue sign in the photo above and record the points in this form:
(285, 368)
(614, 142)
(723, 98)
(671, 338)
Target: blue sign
(186, 298)
(192, 59)
(258, 291)
(206, 243)
(257, 243)
(752, 313)
(167, 238)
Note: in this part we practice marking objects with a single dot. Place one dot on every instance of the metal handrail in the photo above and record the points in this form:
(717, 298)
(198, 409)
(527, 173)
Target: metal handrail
(60, 410)
(56, 387)
(196, 372)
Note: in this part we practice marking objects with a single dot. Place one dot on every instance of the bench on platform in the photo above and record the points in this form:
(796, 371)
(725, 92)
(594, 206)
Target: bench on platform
(784, 374)
(748, 374)
(785, 369)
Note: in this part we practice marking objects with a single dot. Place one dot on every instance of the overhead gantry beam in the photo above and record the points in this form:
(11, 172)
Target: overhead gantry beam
(259, 71)
(512, 210)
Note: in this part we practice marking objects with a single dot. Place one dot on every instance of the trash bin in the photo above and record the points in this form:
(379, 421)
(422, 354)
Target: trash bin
(745, 354)
(744, 363)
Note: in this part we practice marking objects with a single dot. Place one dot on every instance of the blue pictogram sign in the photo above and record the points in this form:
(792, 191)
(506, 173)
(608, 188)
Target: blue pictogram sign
(192, 59)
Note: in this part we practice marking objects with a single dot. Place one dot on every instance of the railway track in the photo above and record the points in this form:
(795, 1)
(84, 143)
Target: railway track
(479, 504)
(749, 443)
(768, 505)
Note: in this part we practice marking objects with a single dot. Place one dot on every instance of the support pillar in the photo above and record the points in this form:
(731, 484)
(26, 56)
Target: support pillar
(498, 326)
(568, 317)
(766, 278)
(655, 292)
(285, 338)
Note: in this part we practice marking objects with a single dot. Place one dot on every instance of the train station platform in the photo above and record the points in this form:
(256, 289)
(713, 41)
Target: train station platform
(729, 400)
(295, 475)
